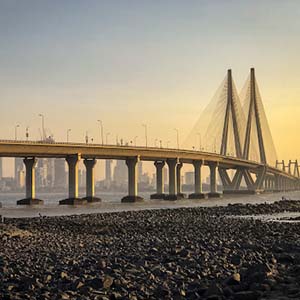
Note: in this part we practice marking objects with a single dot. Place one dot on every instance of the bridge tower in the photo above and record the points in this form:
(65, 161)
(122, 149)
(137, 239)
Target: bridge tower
(231, 113)
(231, 110)
(254, 113)
(256, 133)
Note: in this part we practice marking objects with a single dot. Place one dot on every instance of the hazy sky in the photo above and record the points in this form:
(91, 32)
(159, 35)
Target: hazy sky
(134, 62)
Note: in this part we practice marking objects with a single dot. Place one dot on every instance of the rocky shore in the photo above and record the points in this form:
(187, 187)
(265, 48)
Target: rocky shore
(186, 253)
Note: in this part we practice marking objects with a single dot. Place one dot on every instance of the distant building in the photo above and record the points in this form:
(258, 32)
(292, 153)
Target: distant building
(140, 171)
(1, 168)
(120, 172)
(81, 178)
(21, 179)
(166, 175)
(19, 167)
(108, 173)
(60, 174)
(40, 174)
(189, 178)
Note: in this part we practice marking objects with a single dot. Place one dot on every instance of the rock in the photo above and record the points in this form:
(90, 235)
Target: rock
(214, 289)
(64, 275)
(246, 295)
(234, 279)
(236, 260)
(107, 282)
(96, 283)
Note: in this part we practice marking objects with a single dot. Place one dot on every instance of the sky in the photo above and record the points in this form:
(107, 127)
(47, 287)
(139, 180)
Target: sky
(130, 63)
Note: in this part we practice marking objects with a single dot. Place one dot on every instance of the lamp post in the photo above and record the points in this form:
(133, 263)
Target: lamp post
(146, 134)
(106, 137)
(16, 131)
(27, 133)
(177, 137)
(86, 137)
(160, 143)
(101, 130)
(43, 126)
(68, 133)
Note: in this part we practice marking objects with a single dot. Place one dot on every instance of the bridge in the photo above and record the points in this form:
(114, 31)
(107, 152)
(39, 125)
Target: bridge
(245, 161)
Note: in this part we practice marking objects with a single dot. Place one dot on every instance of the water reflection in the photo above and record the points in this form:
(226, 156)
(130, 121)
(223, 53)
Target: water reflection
(111, 202)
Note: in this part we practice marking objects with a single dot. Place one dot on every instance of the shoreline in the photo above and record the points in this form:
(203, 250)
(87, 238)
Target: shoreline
(184, 253)
(115, 206)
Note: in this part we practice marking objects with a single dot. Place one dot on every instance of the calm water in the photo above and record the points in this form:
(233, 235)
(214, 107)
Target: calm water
(111, 202)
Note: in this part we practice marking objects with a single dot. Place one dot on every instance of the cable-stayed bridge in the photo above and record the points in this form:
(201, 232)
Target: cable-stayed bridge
(234, 140)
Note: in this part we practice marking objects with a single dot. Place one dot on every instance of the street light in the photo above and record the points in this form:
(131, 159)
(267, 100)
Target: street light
(43, 126)
(160, 143)
(106, 138)
(27, 133)
(68, 132)
(146, 134)
(86, 137)
(16, 131)
(135, 140)
(101, 130)
(177, 136)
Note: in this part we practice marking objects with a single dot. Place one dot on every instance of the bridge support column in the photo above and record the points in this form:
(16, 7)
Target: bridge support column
(132, 181)
(90, 180)
(72, 161)
(277, 183)
(213, 181)
(159, 165)
(172, 165)
(30, 199)
(198, 194)
(267, 184)
(281, 183)
(178, 180)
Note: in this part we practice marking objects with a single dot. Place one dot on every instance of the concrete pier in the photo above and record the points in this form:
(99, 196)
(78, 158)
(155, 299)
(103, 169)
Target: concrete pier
(178, 181)
(213, 181)
(198, 194)
(30, 199)
(159, 165)
(132, 181)
(172, 165)
(73, 199)
(90, 180)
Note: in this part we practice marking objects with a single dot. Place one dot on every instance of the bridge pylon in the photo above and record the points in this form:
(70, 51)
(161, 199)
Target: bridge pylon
(254, 127)
(231, 110)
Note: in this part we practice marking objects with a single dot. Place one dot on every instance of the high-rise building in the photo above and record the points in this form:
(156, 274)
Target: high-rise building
(120, 172)
(21, 179)
(108, 175)
(140, 171)
(19, 167)
(166, 175)
(60, 175)
(50, 171)
(1, 168)
(41, 173)
(189, 178)
(81, 178)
